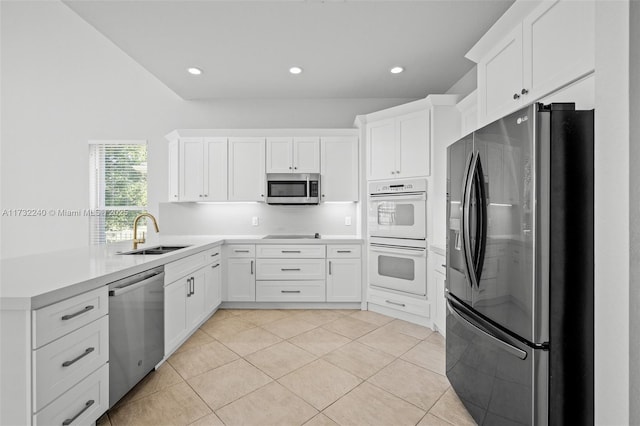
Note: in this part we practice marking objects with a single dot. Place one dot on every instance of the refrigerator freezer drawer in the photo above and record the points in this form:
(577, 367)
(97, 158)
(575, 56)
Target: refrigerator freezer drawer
(498, 381)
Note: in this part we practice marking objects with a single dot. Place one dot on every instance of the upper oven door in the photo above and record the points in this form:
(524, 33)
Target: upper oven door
(398, 215)
(398, 268)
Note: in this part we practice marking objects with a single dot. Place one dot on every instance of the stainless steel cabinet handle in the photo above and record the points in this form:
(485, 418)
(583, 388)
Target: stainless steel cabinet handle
(241, 251)
(87, 404)
(524, 91)
(193, 286)
(290, 167)
(79, 357)
(215, 266)
(344, 251)
(290, 251)
(395, 303)
(214, 254)
(397, 172)
(188, 287)
(329, 267)
(289, 291)
(69, 316)
(289, 269)
(252, 267)
(392, 172)
(444, 266)
(516, 96)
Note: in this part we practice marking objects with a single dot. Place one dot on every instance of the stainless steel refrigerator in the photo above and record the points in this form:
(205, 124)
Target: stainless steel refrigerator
(519, 289)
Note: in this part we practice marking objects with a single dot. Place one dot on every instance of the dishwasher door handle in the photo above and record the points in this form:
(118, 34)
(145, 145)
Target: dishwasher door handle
(121, 290)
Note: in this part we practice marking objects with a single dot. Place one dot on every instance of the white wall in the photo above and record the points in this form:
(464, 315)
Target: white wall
(63, 84)
(612, 214)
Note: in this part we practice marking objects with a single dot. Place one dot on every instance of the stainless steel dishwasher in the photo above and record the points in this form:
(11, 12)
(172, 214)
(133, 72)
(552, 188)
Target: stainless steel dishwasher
(136, 329)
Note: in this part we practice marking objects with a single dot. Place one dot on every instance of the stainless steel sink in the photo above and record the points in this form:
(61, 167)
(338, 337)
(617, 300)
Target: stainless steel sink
(156, 250)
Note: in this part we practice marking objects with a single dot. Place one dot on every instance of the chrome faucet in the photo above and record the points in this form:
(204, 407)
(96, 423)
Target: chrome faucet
(137, 240)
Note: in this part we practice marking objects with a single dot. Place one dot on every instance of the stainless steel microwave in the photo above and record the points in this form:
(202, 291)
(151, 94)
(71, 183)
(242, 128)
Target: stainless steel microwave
(293, 188)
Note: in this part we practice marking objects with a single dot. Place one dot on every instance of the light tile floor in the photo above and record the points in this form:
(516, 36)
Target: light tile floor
(298, 367)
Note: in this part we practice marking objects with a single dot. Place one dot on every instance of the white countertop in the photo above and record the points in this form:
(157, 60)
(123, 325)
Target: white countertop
(32, 282)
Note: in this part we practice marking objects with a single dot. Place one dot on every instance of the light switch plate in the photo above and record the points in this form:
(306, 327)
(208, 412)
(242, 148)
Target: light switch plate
(347, 220)
(255, 221)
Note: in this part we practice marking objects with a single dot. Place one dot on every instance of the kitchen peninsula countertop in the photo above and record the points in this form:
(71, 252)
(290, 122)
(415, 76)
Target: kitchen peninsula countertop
(35, 281)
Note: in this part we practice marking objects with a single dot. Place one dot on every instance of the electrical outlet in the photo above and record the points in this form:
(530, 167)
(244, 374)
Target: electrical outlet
(347, 220)
(255, 221)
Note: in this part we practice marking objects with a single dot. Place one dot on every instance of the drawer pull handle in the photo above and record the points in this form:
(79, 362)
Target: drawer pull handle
(395, 303)
(444, 266)
(252, 267)
(214, 254)
(215, 266)
(79, 357)
(87, 404)
(344, 251)
(329, 267)
(86, 309)
(290, 251)
(289, 269)
(241, 251)
(289, 291)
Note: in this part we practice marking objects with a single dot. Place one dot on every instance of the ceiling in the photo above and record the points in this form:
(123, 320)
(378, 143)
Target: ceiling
(346, 48)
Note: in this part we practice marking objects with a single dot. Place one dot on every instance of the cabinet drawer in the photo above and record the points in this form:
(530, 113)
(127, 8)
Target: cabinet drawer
(290, 291)
(241, 250)
(83, 404)
(213, 255)
(401, 303)
(337, 251)
(178, 269)
(290, 269)
(62, 318)
(64, 362)
(291, 251)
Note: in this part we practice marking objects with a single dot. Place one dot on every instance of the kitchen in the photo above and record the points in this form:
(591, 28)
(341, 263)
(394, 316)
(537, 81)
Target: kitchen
(53, 79)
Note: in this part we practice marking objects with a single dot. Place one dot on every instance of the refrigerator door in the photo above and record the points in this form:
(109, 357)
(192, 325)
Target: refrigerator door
(500, 380)
(459, 159)
(505, 291)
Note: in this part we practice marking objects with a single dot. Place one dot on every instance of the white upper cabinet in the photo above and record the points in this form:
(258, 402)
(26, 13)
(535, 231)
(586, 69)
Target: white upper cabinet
(293, 155)
(247, 169)
(339, 168)
(174, 170)
(198, 169)
(549, 44)
(399, 147)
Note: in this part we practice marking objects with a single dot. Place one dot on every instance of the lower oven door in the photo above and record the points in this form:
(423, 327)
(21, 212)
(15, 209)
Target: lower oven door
(398, 268)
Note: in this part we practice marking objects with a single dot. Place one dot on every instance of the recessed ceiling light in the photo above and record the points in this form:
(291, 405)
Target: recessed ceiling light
(194, 71)
(396, 70)
(295, 70)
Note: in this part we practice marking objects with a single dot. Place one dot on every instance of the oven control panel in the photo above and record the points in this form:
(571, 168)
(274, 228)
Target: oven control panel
(398, 186)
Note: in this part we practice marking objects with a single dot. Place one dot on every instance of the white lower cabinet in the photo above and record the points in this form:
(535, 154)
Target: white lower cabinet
(241, 280)
(439, 274)
(83, 404)
(189, 299)
(344, 273)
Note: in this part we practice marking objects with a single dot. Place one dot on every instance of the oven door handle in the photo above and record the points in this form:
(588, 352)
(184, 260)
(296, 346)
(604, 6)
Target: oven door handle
(413, 252)
(419, 196)
(308, 188)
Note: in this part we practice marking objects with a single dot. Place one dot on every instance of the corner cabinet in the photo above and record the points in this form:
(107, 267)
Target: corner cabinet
(247, 169)
(339, 168)
(546, 48)
(399, 147)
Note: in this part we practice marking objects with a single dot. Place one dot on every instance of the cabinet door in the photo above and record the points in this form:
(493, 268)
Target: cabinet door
(413, 145)
(174, 168)
(175, 314)
(279, 155)
(344, 282)
(213, 286)
(191, 169)
(215, 179)
(500, 78)
(559, 45)
(339, 168)
(306, 155)
(196, 301)
(241, 280)
(246, 169)
(381, 150)
(441, 314)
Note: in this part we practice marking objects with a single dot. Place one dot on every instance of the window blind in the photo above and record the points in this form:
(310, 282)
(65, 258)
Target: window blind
(118, 189)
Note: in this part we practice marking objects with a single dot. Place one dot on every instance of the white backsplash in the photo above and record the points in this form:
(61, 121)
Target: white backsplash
(237, 219)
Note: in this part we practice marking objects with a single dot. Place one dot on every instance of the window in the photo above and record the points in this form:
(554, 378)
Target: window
(118, 189)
